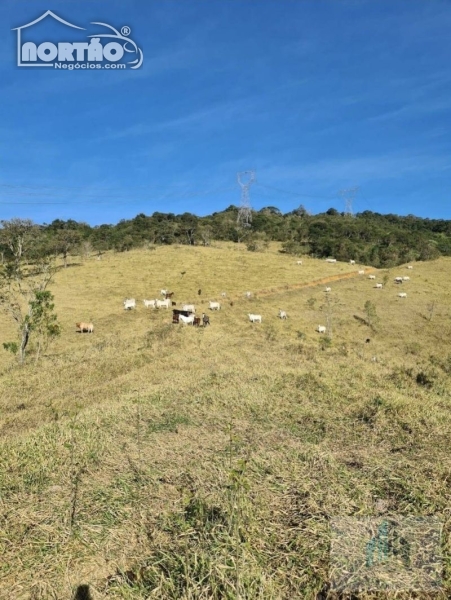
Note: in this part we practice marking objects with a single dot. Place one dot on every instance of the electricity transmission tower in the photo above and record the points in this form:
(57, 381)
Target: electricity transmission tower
(245, 180)
(348, 196)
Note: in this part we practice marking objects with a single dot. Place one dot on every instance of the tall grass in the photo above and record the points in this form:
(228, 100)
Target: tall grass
(155, 460)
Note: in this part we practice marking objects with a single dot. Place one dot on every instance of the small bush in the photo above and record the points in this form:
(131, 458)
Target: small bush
(270, 333)
(424, 379)
(325, 342)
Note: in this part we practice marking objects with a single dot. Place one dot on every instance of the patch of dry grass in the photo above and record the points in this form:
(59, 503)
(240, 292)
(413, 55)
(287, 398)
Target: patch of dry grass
(155, 460)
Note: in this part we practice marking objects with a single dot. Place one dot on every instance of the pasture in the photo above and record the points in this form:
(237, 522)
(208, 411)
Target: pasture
(152, 460)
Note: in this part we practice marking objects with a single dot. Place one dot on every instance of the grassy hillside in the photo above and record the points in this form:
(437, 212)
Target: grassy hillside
(156, 460)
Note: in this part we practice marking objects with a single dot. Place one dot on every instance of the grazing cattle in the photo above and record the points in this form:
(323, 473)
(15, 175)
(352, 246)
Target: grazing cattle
(282, 314)
(223, 294)
(187, 320)
(321, 329)
(410, 267)
(205, 319)
(331, 260)
(371, 276)
(255, 318)
(129, 303)
(367, 341)
(248, 294)
(173, 303)
(199, 292)
(398, 279)
(189, 308)
(169, 295)
(328, 289)
(299, 262)
(215, 306)
(151, 303)
(378, 286)
(196, 321)
(352, 262)
(176, 314)
(406, 278)
(231, 303)
(402, 295)
(163, 292)
(89, 327)
(163, 303)
(361, 272)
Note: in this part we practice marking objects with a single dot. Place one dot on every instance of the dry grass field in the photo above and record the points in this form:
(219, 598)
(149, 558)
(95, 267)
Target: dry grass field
(152, 460)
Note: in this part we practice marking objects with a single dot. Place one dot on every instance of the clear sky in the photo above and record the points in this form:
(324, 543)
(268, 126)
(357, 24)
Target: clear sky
(314, 95)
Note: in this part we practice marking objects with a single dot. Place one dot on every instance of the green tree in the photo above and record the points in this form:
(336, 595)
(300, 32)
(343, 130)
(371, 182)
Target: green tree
(370, 313)
(22, 278)
(66, 240)
(43, 320)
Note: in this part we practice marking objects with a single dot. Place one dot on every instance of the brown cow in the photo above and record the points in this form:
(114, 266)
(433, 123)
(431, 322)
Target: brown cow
(89, 327)
(196, 321)
(169, 295)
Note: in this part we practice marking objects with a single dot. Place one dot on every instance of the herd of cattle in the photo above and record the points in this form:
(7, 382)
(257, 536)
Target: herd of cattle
(187, 314)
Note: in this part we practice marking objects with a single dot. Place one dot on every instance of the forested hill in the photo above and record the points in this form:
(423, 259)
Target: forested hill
(368, 237)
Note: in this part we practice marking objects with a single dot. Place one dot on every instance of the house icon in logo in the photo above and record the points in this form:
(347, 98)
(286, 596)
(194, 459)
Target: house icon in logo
(21, 50)
(104, 50)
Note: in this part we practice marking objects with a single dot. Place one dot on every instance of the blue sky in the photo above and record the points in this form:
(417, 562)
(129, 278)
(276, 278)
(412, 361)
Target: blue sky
(315, 96)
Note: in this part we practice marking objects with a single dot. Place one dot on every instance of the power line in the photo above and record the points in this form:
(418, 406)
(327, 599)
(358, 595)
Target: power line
(245, 211)
(348, 196)
(110, 199)
(298, 194)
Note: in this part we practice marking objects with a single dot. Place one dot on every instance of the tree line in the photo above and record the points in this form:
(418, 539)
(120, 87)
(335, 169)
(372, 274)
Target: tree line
(368, 237)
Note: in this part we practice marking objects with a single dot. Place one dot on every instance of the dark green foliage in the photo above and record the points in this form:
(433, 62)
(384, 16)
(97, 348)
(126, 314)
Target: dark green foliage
(369, 238)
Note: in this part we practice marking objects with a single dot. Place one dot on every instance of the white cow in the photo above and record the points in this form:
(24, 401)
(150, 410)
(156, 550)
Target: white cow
(163, 292)
(282, 314)
(129, 303)
(361, 272)
(255, 318)
(328, 289)
(299, 262)
(352, 262)
(402, 295)
(371, 276)
(331, 260)
(379, 286)
(223, 294)
(321, 329)
(406, 278)
(248, 294)
(189, 308)
(410, 267)
(151, 303)
(398, 279)
(186, 320)
(163, 303)
(215, 306)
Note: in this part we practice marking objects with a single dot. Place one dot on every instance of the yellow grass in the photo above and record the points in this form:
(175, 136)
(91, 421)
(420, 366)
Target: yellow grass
(157, 460)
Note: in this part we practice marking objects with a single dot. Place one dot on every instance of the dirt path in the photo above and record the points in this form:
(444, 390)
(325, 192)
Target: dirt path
(314, 283)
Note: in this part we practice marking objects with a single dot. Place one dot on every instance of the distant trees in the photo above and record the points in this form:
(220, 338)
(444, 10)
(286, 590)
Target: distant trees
(369, 238)
(66, 240)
